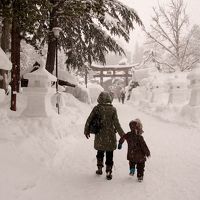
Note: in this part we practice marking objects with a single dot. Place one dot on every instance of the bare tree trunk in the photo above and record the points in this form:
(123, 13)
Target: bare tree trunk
(15, 58)
(51, 56)
(52, 41)
(5, 37)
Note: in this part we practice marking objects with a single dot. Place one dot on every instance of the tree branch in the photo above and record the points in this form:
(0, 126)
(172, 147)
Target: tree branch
(185, 49)
(189, 66)
(158, 42)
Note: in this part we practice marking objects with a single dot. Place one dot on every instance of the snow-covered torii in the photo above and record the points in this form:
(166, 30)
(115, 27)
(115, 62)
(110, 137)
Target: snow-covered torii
(113, 71)
(4, 61)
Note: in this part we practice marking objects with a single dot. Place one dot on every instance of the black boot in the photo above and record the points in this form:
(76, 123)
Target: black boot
(99, 170)
(100, 166)
(108, 172)
(140, 178)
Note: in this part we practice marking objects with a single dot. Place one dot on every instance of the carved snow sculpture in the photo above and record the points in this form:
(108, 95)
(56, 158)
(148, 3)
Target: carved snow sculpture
(39, 93)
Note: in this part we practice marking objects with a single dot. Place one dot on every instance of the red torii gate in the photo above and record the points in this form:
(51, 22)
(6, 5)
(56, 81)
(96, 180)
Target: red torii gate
(113, 71)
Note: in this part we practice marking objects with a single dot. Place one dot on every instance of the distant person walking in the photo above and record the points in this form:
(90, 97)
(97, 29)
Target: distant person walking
(103, 121)
(122, 95)
(137, 149)
(118, 92)
(111, 95)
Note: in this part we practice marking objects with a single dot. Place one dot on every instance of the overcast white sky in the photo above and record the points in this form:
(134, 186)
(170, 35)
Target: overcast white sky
(144, 10)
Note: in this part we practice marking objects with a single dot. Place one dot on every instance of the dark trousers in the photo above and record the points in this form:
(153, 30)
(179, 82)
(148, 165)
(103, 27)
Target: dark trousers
(140, 167)
(109, 158)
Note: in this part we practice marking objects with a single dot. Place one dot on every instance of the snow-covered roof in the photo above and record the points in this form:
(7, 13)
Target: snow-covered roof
(40, 73)
(123, 61)
(114, 66)
(4, 61)
(66, 76)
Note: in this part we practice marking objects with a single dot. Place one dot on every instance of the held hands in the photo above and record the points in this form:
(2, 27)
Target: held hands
(87, 135)
(149, 156)
(119, 146)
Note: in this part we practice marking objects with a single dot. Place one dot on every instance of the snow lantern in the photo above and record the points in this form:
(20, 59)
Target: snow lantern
(39, 93)
(194, 77)
(66, 76)
(146, 84)
(178, 91)
(158, 88)
(2, 95)
(192, 109)
(4, 61)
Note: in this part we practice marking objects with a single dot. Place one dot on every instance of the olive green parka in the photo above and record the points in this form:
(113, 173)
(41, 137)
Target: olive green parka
(105, 139)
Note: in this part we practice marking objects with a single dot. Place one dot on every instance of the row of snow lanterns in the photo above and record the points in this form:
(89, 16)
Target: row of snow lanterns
(176, 85)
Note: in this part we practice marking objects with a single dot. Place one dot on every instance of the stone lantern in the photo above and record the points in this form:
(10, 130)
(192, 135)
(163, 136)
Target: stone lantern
(192, 109)
(39, 93)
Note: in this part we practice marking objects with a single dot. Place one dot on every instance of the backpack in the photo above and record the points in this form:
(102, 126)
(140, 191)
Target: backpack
(95, 124)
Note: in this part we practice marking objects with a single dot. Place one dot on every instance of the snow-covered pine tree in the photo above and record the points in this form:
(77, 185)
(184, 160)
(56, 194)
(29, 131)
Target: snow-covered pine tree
(87, 29)
(23, 17)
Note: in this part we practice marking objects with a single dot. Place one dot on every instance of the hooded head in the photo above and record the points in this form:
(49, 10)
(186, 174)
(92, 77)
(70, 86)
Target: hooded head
(136, 125)
(104, 98)
(133, 125)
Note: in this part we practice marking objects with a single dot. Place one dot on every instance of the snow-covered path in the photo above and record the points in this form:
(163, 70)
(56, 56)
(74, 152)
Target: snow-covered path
(172, 172)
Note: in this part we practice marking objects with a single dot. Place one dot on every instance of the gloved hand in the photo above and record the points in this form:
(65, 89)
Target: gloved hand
(87, 135)
(119, 146)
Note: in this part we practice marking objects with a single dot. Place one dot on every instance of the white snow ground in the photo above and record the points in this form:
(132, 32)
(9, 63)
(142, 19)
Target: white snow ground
(50, 159)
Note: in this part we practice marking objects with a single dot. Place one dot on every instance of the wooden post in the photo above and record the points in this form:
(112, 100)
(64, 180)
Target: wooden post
(126, 77)
(101, 77)
(114, 73)
(13, 88)
(86, 77)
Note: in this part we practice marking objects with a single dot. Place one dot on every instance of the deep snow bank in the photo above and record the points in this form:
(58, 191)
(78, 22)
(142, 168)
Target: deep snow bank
(30, 146)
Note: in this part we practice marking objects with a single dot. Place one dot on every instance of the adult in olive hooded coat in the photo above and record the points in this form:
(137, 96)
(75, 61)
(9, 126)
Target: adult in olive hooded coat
(105, 138)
